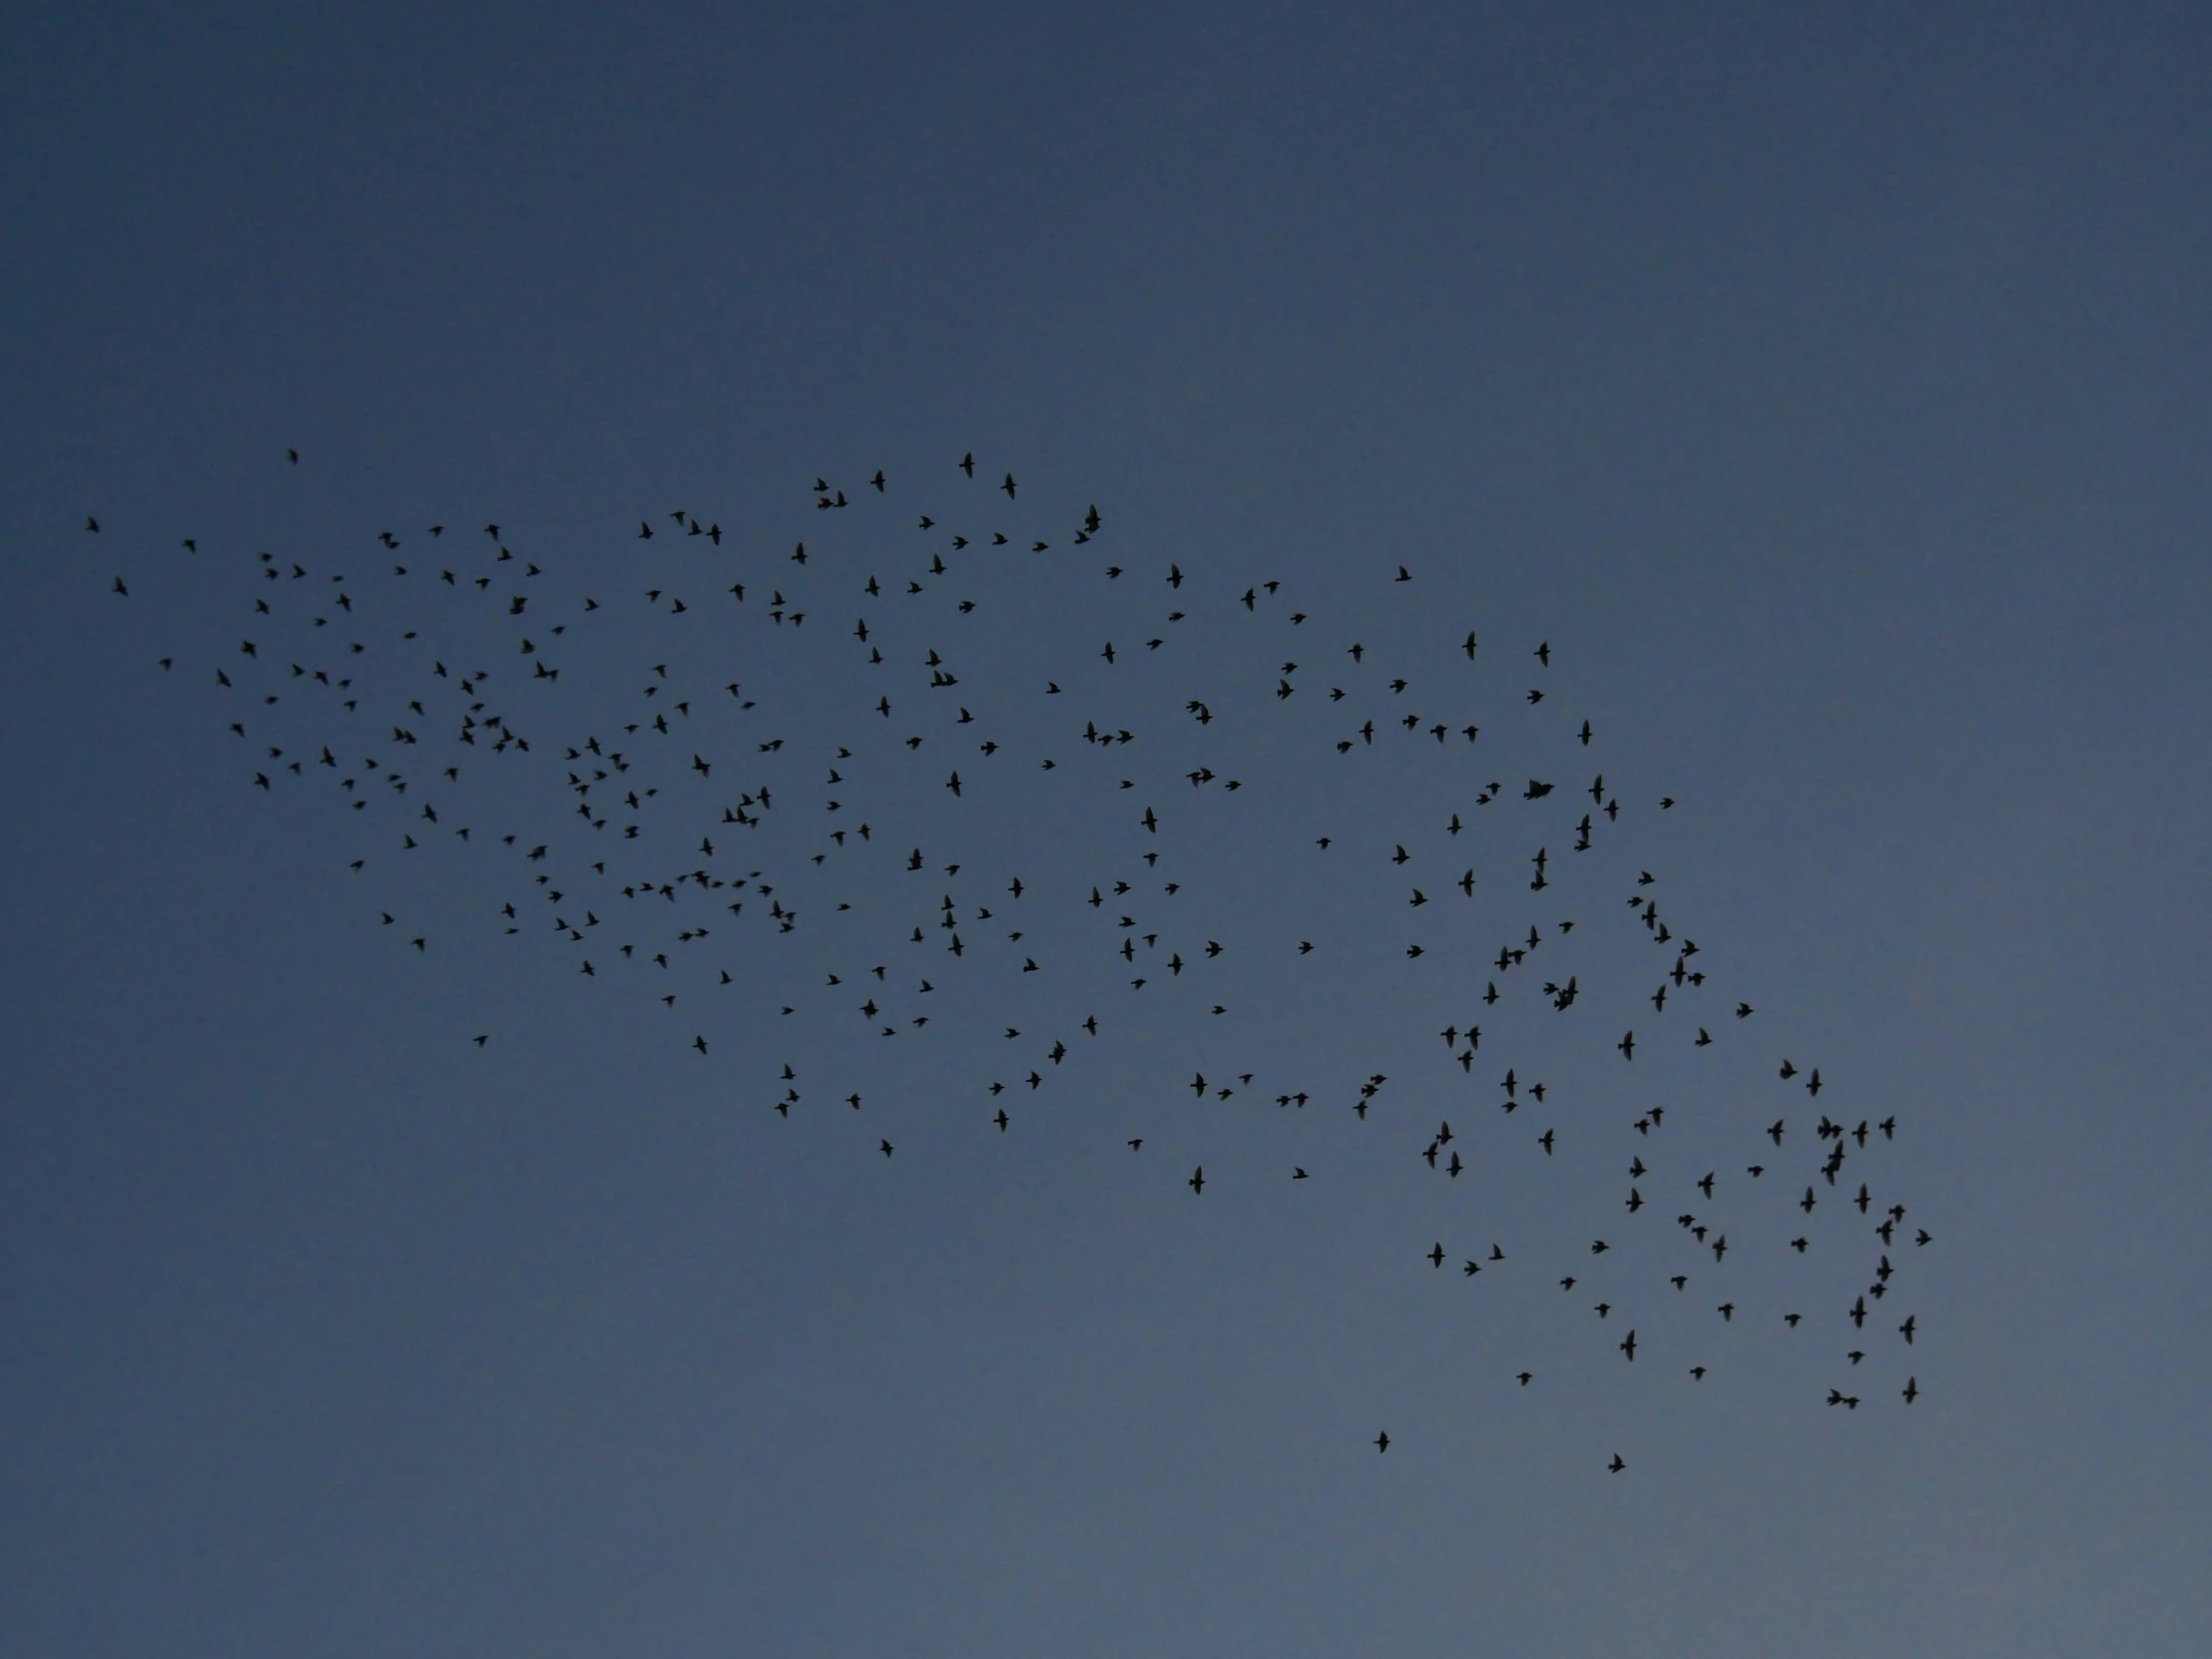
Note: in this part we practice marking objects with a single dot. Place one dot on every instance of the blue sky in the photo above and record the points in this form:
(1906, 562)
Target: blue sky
(1823, 389)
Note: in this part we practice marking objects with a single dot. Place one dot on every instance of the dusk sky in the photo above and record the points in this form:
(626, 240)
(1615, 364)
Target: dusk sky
(1825, 391)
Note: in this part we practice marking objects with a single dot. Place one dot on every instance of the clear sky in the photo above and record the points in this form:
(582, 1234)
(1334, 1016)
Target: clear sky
(1826, 389)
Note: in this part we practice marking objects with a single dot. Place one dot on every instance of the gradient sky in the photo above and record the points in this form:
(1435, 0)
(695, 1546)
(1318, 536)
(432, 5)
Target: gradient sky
(1829, 389)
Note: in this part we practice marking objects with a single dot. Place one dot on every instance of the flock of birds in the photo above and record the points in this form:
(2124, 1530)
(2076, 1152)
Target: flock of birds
(872, 782)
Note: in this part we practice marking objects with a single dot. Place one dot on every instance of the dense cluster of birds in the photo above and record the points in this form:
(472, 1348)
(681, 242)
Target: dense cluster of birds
(922, 812)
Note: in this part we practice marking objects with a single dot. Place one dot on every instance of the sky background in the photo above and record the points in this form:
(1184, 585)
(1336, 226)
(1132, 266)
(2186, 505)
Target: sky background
(1828, 390)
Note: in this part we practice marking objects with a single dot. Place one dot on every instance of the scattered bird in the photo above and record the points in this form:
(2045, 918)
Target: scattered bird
(819, 807)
